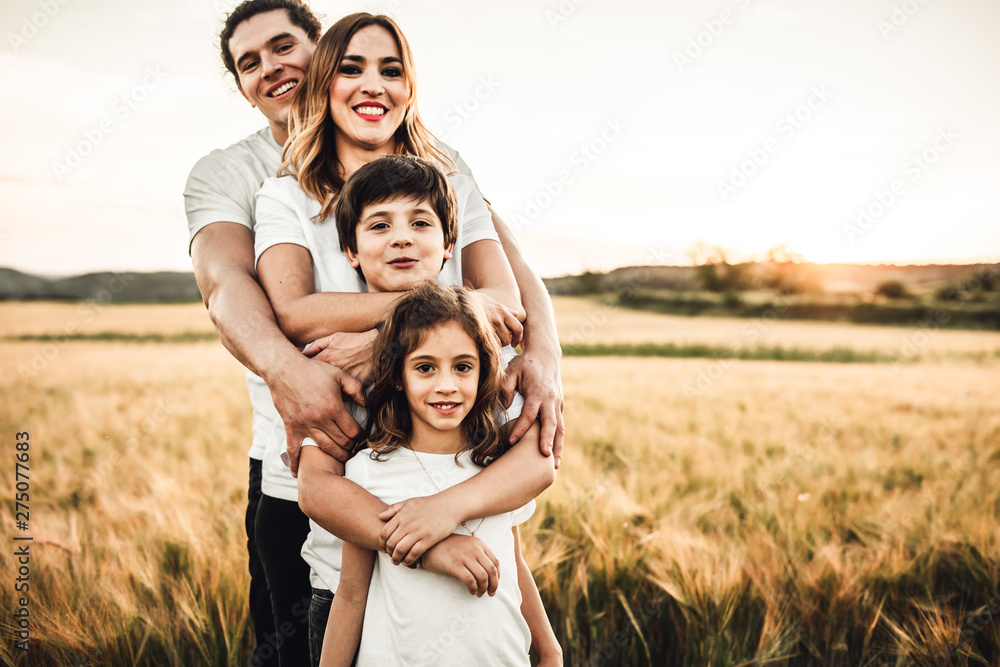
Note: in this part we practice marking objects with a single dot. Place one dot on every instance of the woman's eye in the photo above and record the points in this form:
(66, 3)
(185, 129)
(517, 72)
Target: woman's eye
(392, 72)
(350, 69)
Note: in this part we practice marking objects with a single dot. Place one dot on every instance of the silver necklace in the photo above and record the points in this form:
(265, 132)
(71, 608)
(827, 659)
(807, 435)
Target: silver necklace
(464, 524)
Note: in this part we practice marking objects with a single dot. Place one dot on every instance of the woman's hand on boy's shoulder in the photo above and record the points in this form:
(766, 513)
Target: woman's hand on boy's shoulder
(350, 352)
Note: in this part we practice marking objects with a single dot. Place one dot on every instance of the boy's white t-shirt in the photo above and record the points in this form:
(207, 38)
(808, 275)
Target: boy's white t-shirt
(284, 214)
(416, 617)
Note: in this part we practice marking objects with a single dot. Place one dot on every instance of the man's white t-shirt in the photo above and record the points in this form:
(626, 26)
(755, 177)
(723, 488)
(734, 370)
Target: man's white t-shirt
(221, 188)
(285, 214)
(416, 617)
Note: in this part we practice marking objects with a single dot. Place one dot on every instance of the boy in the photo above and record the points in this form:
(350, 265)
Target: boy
(397, 225)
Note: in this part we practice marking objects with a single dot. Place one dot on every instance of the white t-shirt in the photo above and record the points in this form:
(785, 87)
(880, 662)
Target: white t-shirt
(222, 188)
(416, 617)
(285, 214)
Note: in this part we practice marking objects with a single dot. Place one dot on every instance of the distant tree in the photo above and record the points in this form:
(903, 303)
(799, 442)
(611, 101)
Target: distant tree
(589, 282)
(892, 289)
(714, 270)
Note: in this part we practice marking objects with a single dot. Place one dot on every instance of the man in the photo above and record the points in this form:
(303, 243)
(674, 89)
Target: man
(267, 46)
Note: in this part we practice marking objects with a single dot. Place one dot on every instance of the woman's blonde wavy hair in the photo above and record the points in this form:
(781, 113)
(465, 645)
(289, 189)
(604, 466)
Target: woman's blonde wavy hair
(423, 309)
(310, 154)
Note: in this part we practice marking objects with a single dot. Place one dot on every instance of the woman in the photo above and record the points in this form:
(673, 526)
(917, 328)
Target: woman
(356, 103)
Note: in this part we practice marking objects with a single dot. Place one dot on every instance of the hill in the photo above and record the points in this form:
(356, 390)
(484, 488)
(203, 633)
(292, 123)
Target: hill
(104, 287)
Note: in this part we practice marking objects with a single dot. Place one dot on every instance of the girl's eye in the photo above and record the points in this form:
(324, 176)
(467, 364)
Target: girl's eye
(463, 367)
(424, 368)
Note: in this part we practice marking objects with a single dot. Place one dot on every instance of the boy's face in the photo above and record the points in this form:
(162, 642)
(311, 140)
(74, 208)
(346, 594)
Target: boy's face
(400, 245)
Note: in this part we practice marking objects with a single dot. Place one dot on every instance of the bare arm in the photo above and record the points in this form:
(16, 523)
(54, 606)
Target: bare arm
(286, 274)
(543, 639)
(536, 370)
(306, 393)
(414, 526)
(347, 614)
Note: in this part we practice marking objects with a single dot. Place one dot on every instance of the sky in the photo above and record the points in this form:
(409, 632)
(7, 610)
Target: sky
(605, 133)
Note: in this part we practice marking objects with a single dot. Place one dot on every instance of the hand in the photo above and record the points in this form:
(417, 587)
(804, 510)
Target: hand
(467, 559)
(504, 320)
(413, 526)
(310, 400)
(537, 378)
(350, 352)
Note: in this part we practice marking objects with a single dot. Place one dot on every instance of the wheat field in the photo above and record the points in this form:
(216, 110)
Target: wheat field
(708, 512)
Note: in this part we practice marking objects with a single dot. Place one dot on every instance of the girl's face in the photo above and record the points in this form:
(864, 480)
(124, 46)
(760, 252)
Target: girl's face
(369, 93)
(441, 380)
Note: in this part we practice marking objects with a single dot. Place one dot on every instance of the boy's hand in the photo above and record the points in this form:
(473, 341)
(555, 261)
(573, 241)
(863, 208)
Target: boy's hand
(350, 352)
(469, 560)
(537, 377)
(413, 526)
(504, 320)
(310, 401)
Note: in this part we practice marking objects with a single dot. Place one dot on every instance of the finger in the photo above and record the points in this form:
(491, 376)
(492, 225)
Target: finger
(352, 386)
(416, 551)
(317, 346)
(508, 388)
(390, 511)
(492, 570)
(516, 328)
(386, 535)
(481, 576)
(548, 419)
(401, 549)
(330, 443)
(527, 418)
(557, 445)
(292, 447)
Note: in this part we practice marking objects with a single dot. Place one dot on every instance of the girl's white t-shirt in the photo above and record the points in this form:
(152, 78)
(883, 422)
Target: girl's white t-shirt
(415, 617)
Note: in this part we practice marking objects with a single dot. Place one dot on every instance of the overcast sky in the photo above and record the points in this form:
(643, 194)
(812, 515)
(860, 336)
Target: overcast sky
(606, 132)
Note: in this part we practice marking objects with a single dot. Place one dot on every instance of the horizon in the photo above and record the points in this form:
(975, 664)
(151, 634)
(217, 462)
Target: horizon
(743, 125)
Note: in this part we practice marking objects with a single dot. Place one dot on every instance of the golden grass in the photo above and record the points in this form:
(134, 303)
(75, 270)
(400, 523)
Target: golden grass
(785, 513)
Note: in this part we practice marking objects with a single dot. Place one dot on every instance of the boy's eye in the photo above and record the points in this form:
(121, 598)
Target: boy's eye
(421, 223)
(379, 225)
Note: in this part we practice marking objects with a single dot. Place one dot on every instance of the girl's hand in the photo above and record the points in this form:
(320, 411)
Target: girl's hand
(469, 560)
(413, 526)
(504, 320)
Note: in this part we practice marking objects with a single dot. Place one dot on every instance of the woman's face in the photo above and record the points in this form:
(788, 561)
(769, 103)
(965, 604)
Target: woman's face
(369, 93)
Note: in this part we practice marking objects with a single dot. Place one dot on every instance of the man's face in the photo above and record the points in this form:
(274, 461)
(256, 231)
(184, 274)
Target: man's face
(272, 55)
(400, 245)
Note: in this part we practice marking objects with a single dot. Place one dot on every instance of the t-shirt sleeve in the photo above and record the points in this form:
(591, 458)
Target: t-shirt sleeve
(522, 514)
(475, 218)
(462, 166)
(277, 218)
(215, 193)
(356, 469)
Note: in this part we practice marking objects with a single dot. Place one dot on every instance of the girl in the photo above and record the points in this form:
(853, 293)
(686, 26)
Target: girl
(434, 423)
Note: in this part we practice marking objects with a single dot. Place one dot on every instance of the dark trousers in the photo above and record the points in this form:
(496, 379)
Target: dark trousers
(319, 612)
(260, 599)
(281, 529)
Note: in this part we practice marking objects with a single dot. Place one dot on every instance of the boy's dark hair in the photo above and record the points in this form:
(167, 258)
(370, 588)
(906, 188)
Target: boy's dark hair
(390, 178)
(298, 13)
